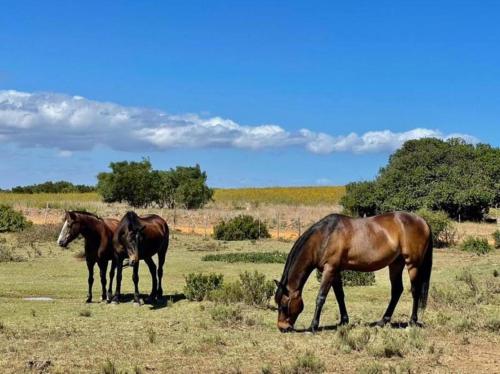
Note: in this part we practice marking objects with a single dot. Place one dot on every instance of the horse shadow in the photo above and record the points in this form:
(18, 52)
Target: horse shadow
(392, 325)
(159, 303)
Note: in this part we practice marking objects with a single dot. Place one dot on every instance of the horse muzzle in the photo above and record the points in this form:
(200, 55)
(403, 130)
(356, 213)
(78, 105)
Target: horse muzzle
(285, 327)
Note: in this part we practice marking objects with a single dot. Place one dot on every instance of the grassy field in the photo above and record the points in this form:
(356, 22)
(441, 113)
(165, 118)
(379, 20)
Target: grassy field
(275, 195)
(281, 195)
(461, 334)
(54, 200)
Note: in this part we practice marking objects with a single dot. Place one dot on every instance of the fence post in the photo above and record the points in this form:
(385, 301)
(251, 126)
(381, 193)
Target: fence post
(278, 221)
(205, 231)
(46, 212)
(258, 219)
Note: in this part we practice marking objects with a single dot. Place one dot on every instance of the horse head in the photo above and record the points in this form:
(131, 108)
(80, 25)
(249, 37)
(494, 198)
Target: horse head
(290, 305)
(131, 235)
(70, 230)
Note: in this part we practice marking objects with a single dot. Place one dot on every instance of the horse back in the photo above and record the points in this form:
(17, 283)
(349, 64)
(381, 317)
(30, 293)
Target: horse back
(369, 244)
(156, 235)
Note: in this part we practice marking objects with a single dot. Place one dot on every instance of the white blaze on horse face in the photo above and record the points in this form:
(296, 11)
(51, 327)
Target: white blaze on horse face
(64, 233)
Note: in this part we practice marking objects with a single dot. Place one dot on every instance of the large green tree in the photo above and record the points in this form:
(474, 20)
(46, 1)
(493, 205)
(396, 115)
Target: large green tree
(139, 185)
(459, 178)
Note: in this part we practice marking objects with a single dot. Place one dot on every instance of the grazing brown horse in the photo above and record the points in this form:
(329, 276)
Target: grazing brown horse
(139, 238)
(338, 243)
(98, 235)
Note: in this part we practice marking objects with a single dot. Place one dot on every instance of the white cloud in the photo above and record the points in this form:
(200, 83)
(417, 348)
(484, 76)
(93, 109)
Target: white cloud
(72, 123)
(64, 153)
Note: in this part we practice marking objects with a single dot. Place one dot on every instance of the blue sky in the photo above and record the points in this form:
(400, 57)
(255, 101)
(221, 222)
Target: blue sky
(257, 93)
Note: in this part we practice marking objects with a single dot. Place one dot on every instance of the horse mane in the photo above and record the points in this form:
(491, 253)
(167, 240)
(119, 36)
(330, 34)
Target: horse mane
(132, 219)
(82, 212)
(329, 222)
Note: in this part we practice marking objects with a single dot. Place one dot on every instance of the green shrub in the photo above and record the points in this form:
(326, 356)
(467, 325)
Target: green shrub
(241, 227)
(199, 285)
(40, 233)
(6, 253)
(351, 278)
(496, 238)
(251, 289)
(443, 230)
(306, 363)
(229, 293)
(275, 257)
(11, 220)
(476, 245)
(256, 289)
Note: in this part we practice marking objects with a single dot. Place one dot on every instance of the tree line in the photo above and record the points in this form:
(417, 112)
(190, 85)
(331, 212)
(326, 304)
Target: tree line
(452, 176)
(53, 187)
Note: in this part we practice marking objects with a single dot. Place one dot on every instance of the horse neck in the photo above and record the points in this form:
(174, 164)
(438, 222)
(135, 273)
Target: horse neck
(300, 270)
(90, 227)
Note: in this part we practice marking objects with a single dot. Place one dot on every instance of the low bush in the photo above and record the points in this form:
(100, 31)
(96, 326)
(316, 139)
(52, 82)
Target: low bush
(41, 233)
(351, 278)
(306, 363)
(496, 238)
(257, 290)
(252, 289)
(12, 220)
(275, 257)
(443, 229)
(6, 253)
(479, 246)
(242, 227)
(350, 339)
(199, 285)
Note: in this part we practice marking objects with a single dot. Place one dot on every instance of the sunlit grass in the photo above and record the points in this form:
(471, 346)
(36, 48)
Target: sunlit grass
(54, 200)
(281, 195)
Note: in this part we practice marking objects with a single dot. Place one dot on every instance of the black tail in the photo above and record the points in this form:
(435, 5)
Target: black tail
(424, 274)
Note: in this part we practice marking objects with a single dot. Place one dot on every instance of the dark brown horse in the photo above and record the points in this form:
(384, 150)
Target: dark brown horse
(98, 235)
(338, 243)
(139, 238)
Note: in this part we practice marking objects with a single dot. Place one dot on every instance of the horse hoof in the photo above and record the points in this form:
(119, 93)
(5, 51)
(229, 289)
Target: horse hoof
(415, 324)
(313, 329)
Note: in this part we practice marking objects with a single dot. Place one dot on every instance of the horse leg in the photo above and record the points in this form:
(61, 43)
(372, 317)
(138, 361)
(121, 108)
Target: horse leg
(415, 292)
(103, 267)
(119, 268)
(111, 276)
(396, 276)
(326, 283)
(135, 278)
(90, 267)
(339, 295)
(152, 269)
(161, 261)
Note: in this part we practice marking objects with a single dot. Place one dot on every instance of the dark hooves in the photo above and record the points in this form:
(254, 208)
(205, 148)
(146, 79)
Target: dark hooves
(415, 324)
(313, 329)
(151, 300)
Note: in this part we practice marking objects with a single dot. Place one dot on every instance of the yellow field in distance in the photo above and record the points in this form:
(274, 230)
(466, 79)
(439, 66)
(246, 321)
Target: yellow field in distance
(55, 200)
(272, 195)
(281, 195)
